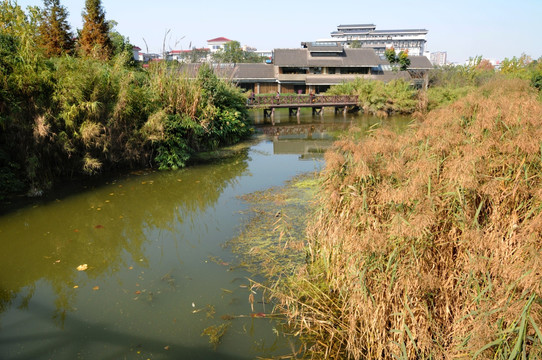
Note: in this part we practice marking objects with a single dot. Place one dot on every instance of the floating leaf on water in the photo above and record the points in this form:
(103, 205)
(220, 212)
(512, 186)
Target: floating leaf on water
(193, 305)
(166, 347)
(96, 288)
(82, 267)
(131, 268)
(76, 230)
(99, 227)
(251, 301)
(138, 292)
(76, 286)
(112, 194)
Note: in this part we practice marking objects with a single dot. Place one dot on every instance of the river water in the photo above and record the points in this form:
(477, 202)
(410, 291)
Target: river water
(136, 268)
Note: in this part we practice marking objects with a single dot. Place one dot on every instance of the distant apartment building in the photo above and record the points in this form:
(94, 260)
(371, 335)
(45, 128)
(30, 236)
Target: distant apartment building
(366, 36)
(438, 58)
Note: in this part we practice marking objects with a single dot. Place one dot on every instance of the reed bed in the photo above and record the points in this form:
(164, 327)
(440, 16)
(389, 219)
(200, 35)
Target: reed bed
(426, 244)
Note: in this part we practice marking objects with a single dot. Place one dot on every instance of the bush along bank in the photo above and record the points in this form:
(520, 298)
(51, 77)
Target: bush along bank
(426, 244)
(66, 116)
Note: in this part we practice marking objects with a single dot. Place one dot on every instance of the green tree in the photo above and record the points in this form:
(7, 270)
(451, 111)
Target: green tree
(234, 53)
(94, 38)
(390, 55)
(356, 44)
(400, 59)
(55, 33)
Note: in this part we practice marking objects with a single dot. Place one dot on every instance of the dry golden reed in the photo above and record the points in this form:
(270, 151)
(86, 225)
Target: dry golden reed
(427, 243)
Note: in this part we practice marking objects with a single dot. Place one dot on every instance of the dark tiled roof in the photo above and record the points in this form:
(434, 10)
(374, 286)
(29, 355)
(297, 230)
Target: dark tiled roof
(291, 57)
(419, 63)
(361, 57)
(350, 58)
(254, 71)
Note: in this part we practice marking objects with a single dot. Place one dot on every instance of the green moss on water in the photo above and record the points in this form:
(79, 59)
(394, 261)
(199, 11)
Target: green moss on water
(215, 333)
(272, 241)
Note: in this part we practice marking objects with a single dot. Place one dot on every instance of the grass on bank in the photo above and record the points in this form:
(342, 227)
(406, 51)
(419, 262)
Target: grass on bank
(427, 243)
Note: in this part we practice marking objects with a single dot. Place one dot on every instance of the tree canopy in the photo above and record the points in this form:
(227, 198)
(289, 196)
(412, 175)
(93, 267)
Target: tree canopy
(400, 59)
(234, 53)
(94, 38)
(55, 34)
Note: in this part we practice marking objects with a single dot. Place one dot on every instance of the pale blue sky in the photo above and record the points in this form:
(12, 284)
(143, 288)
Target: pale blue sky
(464, 28)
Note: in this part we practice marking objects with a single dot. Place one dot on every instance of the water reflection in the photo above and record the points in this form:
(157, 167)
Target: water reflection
(97, 227)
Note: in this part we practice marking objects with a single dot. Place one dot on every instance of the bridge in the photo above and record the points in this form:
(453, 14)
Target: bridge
(294, 102)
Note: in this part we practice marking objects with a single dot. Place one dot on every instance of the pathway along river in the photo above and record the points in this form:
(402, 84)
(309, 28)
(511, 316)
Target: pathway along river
(135, 268)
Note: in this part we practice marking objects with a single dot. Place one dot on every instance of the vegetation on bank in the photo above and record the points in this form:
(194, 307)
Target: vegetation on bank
(72, 111)
(426, 244)
(446, 85)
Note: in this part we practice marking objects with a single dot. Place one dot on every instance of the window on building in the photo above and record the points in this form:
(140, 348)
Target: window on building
(316, 70)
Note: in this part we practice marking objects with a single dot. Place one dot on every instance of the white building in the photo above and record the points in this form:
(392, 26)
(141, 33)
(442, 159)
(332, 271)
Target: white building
(412, 40)
(438, 58)
(217, 44)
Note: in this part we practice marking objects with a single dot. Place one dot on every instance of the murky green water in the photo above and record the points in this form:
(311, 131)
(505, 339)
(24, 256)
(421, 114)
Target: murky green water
(153, 271)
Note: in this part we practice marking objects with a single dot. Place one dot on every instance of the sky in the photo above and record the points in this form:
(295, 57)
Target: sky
(495, 29)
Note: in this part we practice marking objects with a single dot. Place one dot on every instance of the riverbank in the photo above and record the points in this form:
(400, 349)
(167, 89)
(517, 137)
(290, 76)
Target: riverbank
(426, 244)
(68, 117)
(69, 114)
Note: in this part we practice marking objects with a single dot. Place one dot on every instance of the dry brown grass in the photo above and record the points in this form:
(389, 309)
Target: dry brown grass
(427, 243)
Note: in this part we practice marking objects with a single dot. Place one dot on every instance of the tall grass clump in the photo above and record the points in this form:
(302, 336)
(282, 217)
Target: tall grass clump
(427, 244)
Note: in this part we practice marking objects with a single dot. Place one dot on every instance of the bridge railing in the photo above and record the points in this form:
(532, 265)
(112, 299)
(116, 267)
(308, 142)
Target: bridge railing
(289, 99)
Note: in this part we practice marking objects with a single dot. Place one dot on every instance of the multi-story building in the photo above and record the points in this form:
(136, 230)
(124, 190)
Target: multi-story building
(366, 36)
(438, 58)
